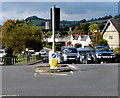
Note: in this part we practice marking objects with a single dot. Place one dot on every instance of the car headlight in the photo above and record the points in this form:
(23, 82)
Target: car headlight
(78, 55)
(99, 54)
(65, 56)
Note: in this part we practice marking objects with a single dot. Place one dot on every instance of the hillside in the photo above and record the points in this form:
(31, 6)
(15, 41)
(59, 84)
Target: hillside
(34, 20)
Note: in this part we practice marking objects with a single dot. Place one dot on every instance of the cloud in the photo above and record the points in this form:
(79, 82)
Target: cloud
(60, 0)
(88, 15)
(69, 10)
(23, 15)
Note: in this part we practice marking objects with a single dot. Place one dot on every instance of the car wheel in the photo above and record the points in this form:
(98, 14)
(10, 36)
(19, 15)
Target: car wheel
(83, 61)
(96, 60)
(86, 62)
(59, 60)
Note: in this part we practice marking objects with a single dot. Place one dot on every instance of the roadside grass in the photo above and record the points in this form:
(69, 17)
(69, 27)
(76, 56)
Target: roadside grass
(23, 60)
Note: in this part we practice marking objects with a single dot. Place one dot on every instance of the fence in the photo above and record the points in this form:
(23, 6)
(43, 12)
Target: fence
(8, 60)
(17, 60)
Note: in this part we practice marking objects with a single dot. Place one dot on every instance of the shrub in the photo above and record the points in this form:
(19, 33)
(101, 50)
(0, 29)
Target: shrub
(117, 54)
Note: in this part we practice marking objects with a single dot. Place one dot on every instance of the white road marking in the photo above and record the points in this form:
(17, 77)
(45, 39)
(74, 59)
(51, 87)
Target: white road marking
(52, 74)
(72, 66)
(71, 72)
(35, 74)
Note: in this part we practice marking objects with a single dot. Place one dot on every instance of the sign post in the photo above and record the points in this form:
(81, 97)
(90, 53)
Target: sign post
(52, 54)
(53, 28)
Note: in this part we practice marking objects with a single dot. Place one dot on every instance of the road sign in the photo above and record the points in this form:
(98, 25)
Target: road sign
(54, 55)
(53, 60)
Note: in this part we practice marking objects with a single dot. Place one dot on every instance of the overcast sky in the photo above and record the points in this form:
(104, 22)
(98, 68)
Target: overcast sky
(69, 10)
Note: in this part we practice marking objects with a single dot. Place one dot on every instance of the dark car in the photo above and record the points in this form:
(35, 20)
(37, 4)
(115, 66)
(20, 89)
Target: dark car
(68, 55)
(83, 53)
(101, 54)
(45, 59)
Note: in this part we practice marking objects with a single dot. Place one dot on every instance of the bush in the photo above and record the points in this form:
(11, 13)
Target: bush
(117, 55)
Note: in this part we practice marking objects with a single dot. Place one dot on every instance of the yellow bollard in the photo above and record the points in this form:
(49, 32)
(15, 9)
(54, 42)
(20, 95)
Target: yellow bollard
(53, 60)
(54, 63)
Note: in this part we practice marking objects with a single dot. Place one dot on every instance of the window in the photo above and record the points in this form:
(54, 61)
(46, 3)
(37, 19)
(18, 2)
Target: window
(111, 37)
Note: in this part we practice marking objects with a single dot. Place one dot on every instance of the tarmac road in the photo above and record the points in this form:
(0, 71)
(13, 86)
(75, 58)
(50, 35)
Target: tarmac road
(85, 80)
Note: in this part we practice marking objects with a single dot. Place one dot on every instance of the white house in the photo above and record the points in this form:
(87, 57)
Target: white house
(84, 40)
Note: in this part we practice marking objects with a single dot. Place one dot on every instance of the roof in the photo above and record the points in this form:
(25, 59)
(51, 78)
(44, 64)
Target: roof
(115, 23)
(83, 37)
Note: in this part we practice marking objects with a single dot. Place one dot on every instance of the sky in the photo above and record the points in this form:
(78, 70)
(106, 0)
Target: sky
(9, 9)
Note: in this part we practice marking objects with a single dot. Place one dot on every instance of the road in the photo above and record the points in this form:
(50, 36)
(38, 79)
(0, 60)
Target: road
(85, 80)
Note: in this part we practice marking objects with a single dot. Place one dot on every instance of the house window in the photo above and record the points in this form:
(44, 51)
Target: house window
(110, 37)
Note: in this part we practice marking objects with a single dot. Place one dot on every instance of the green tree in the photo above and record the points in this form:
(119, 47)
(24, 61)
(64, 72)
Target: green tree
(93, 28)
(98, 40)
(77, 30)
(49, 33)
(63, 32)
(19, 35)
(84, 28)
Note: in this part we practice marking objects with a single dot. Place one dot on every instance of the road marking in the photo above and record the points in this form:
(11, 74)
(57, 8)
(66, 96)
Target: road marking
(71, 72)
(51, 74)
(72, 66)
(8, 95)
(35, 74)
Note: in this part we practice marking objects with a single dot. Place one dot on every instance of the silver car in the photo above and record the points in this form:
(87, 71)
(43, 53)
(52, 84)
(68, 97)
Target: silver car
(68, 55)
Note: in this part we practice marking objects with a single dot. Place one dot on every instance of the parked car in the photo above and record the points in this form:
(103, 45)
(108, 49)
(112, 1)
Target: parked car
(68, 55)
(100, 54)
(83, 53)
(45, 59)
(43, 52)
(2, 54)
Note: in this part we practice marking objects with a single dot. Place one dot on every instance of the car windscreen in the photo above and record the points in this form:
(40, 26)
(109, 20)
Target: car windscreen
(84, 52)
(102, 49)
(70, 50)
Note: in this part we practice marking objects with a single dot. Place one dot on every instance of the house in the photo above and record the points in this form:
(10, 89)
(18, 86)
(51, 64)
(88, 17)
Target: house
(84, 40)
(111, 33)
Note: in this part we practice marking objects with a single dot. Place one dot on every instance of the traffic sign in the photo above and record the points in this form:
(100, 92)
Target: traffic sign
(53, 60)
(54, 55)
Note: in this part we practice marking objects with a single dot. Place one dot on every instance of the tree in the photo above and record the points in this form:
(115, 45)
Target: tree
(84, 28)
(98, 40)
(19, 35)
(82, 21)
(93, 28)
(63, 32)
(77, 30)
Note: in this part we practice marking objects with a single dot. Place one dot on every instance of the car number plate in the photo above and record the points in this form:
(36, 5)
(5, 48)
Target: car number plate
(71, 58)
(106, 56)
